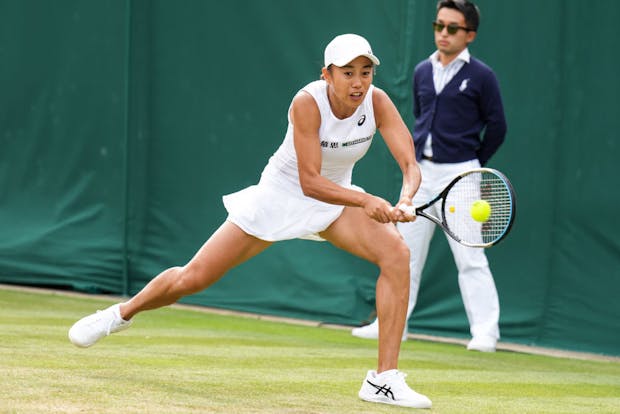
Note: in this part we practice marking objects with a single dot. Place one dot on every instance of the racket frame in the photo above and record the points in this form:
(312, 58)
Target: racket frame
(419, 211)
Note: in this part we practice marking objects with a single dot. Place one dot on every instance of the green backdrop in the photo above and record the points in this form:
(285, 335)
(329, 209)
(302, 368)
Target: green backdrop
(124, 122)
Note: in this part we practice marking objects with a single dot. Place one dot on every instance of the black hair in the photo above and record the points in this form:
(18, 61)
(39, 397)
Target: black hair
(469, 10)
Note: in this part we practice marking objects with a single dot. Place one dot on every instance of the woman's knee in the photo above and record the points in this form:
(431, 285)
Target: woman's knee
(188, 280)
(395, 256)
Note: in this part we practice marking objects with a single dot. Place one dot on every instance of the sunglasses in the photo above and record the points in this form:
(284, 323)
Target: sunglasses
(452, 28)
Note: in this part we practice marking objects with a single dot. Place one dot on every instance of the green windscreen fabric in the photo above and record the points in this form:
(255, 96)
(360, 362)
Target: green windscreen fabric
(63, 139)
(125, 122)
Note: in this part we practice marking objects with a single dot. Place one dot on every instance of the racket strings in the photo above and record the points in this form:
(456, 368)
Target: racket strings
(479, 185)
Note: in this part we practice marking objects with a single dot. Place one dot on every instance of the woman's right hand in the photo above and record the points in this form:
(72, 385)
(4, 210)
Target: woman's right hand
(380, 210)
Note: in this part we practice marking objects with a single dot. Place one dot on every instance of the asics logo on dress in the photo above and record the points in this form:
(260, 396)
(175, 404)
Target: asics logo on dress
(362, 120)
(382, 389)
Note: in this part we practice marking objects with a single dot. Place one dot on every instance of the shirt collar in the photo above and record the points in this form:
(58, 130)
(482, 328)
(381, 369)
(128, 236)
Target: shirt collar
(464, 56)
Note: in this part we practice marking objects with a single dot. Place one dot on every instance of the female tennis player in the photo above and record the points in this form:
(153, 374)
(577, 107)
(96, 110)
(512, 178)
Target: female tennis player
(305, 191)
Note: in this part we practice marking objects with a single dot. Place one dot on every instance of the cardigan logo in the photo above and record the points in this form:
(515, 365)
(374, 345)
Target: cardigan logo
(463, 85)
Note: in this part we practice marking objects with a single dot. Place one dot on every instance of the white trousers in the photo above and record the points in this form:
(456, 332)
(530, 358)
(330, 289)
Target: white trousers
(474, 276)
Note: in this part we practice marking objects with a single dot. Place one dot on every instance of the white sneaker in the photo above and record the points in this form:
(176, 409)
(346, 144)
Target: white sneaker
(88, 330)
(482, 344)
(371, 331)
(390, 387)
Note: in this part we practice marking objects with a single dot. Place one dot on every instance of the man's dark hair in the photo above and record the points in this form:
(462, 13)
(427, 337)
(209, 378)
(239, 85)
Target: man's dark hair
(469, 10)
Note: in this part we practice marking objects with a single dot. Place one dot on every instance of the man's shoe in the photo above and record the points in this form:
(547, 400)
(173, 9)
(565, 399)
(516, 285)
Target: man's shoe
(371, 331)
(88, 330)
(390, 387)
(482, 344)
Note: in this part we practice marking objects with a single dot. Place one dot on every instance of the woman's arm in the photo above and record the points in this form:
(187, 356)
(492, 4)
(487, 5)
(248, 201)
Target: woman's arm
(306, 120)
(400, 143)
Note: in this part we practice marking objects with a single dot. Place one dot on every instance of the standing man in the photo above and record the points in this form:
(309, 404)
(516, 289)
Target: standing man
(456, 98)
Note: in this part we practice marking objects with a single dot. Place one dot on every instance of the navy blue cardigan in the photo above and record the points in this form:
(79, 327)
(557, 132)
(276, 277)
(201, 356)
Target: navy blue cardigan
(469, 103)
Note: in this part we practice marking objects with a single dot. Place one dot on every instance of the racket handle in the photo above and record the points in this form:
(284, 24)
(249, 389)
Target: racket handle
(407, 209)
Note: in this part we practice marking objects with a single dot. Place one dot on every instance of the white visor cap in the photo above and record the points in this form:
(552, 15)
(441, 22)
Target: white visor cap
(344, 48)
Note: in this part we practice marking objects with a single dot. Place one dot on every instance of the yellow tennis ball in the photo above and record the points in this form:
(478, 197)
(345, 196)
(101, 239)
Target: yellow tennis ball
(480, 211)
(451, 209)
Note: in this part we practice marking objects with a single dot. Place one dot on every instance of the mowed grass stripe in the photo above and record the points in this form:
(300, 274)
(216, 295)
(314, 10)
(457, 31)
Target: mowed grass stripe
(177, 360)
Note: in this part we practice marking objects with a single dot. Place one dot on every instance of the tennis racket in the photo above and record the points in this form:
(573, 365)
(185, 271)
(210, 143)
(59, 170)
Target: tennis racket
(477, 208)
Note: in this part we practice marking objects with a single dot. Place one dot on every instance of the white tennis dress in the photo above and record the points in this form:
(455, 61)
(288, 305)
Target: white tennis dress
(276, 208)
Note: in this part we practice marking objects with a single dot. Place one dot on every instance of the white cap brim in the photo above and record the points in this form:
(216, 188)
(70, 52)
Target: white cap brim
(347, 59)
(345, 48)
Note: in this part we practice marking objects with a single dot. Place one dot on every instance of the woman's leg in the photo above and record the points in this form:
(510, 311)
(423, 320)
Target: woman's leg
(225, 249)
(382, 245)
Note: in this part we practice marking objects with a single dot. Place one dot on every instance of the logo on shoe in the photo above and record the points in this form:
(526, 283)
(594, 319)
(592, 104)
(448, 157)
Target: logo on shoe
(382, 389)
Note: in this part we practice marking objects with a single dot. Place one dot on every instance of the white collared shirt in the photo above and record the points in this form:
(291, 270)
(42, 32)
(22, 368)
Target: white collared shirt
(441, 76)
